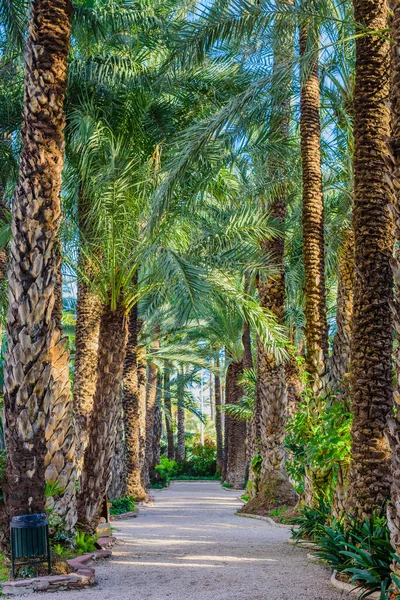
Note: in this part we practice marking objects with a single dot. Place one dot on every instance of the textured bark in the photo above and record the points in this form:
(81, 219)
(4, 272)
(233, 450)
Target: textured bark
(39, 431)
(270, 483)
(394, 420)
(236, 454)
(247, 364)
(142, 383)
(293, 384)
(316, 329)
(132, 404)
(96, 473)
(371, 352)
(226, 419)
(88, 316)
(151, 395)
(339, 361)
(168, 416)
(118, 464)
(181, 433)
(157, 433)
(218, 421)
(212, 395)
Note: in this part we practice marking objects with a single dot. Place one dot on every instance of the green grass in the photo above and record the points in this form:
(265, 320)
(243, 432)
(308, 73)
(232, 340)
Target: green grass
(226, 485)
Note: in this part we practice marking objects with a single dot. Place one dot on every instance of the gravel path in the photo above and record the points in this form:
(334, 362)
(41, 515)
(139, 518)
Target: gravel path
(189, 545)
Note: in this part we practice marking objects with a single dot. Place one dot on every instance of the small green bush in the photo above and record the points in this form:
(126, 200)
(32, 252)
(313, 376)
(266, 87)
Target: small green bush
(122, 505)
(164, 473)
(310, 522)
(362, 550)
(84, 542)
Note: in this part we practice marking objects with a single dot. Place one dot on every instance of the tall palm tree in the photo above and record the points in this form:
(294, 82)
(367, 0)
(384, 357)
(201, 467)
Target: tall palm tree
(88, 317)
(316, 329)
(181, 434)
(235, 447)
(96, 473)
(371, 393)
(394, 419)
(133, 410)
(151, 398)
(339, 360)
(37, 396)
(218, 416)
(168, 414)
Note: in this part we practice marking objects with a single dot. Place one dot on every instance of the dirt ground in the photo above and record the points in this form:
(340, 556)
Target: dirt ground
(190, 545)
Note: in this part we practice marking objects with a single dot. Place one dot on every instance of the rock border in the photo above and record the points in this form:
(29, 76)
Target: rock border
(82, 577)
(266, 519)
(348, 587)
(128, 515)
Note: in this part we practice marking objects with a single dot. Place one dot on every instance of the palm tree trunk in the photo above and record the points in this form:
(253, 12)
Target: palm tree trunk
(212, 395)
(181, 433)
(218, 419)
(142, 383)
(393, 511)
(118, 464)
(236, 459)
(96, 473)
(157, 433)
(339, 361)
(168, 415)
(269, 482)
(371, 352)
(88, 316)
(151, 395)
(293, 384)
(316, 329)
(132, 408)
(37, 397)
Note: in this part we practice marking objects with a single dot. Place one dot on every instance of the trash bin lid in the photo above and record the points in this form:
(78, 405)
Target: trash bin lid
(25, 521)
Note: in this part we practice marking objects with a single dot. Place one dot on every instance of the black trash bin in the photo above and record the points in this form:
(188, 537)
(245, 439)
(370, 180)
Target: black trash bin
(30, 541)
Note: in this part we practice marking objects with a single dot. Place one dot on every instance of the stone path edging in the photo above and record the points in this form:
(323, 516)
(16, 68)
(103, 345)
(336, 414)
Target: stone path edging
(348, 587)
(83, 575)
(266, 519)
(128, 515)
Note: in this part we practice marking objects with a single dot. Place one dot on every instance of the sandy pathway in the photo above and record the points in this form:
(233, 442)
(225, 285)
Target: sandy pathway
(190, 545)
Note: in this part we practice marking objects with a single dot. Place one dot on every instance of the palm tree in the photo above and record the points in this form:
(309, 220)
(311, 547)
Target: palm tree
(339, 360)
(393, 512)
(181, 435)
(218, 416)
(316, 329)
(133, 409)
(88, 317)
(96, 472)
(371, 394)
(151, 403)
(37, 396)
(168, 414)
(235, 448)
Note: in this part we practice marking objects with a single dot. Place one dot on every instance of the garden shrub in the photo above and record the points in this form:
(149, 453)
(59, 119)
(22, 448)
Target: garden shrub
(203, 459)
(163, 473)
(358, 548)
(310, 521)
(84, 542)
(122, 505)
(318, 438)
(362, 550)
(200, 463)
